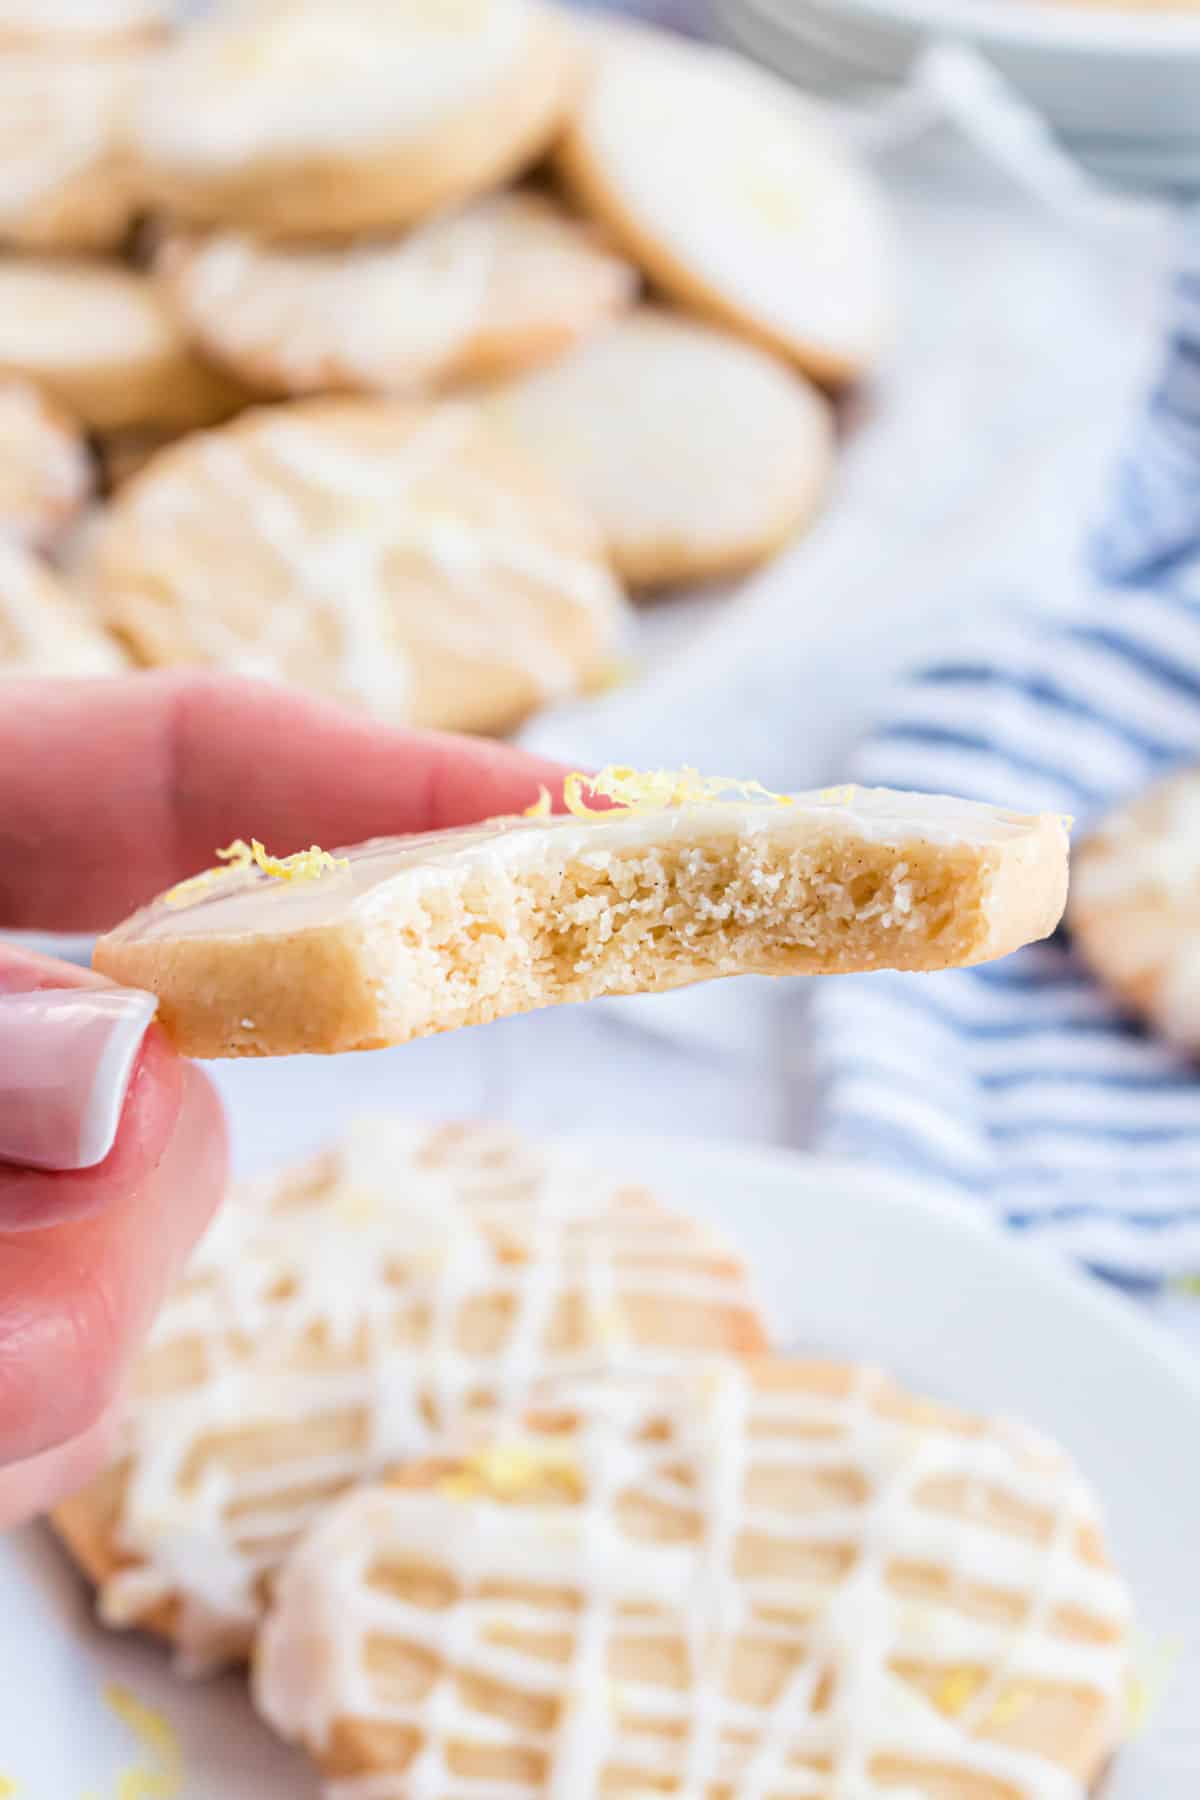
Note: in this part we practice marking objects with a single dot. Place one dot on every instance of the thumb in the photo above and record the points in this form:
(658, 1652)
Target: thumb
(86, 1253)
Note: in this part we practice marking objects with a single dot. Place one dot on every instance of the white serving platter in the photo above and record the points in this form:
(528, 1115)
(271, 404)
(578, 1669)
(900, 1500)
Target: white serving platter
(853, 1262)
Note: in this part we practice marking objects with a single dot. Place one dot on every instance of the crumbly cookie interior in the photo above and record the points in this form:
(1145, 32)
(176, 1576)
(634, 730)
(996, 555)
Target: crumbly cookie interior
(663, 915)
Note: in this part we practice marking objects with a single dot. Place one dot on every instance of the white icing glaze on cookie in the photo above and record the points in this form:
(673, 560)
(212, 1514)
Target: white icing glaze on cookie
(59, 313)
(371, 542)
(45, 471)
(42, 631)
(724, 453)
(247, 900)
(290, 77)
(715, 1451)
(61, 126)
(1132, 855)
(351, 1291)
(397, 314)
(748, 194)
(1135, 902)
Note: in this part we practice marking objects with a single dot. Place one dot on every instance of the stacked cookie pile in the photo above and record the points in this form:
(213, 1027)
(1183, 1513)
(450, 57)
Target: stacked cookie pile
(483, 1458)
(402, 338)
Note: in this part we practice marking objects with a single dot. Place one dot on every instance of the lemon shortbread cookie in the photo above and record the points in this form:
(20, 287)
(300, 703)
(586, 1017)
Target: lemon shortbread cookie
(104, 341)
(675, 883)
(370, 1306)
(43, 630)
(302, 118)
(507, 281)
(697, 454)
(399, 557)
(745, 208)
(66, 180)
(1135, 905)
(73, 25)
(776, 1581)
(45, 470)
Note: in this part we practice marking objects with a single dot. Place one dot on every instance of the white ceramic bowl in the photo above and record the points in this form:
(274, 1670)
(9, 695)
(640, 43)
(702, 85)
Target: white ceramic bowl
(1117, 80)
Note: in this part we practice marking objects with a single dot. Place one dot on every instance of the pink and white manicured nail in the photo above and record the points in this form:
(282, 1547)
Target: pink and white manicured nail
(67, 1057)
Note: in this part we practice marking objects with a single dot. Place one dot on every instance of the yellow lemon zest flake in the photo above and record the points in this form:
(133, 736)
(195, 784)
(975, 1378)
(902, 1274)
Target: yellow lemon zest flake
(302, 865)
(838, 796)
(7, 1788)
(162, 1777)
(509, 1472)
(1010, 1704)
(654, 790)
(541, 806)
(956, 1690)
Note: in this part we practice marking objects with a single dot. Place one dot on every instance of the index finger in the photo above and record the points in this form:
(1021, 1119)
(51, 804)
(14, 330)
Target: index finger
(112, 790)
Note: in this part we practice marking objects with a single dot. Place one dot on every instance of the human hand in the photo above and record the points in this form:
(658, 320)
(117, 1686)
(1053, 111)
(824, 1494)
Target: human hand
(109, 792)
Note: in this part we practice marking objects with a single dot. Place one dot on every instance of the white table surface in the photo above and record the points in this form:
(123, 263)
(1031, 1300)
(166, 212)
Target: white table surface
(964, 488)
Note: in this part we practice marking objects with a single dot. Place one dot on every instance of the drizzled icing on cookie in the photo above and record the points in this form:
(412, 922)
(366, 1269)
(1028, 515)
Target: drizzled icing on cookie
(296, 76)
(1144, 862)
(40, 628)
(58, 119)
(372, 1307)
(44, 468)
(397, 314)
(389, 314)
(774, 1582)
(376, 543)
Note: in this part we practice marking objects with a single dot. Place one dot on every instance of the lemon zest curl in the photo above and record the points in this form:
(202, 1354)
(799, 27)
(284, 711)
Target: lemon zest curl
(302, 865)
(653, 790)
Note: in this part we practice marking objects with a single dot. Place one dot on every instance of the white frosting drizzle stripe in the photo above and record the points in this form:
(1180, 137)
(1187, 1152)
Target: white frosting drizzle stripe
(338, 518)
(846, 1703)
(339, 1299)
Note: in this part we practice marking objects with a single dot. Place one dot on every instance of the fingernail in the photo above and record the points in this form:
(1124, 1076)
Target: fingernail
(66, 1061)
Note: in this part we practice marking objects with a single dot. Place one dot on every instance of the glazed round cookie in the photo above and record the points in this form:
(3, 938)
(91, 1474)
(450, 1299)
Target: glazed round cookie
(70, 25)
(766, 1579)
(66, 180)
(45, 470)
(1134, 907)
(697, 454)
(104, 342)
(396, 557)
(746, 209)
(375, 1304)
(666, 880)
(507, 281)
(43, 630)
(298, 118)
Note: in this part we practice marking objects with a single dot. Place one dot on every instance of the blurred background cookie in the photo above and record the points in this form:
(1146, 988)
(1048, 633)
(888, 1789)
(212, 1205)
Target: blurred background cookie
(71, 25)
(101, 338)
(43, 630)
(733, 195)
(1134, 906)
(508, 281)
(398, 557)
(46, 472)
(66, 179)
(362, 1309)
(758, 1582)
(697, 454)
(298, 117)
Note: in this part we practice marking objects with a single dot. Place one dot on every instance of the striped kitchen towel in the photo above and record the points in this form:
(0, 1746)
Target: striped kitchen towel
(1020, 1081)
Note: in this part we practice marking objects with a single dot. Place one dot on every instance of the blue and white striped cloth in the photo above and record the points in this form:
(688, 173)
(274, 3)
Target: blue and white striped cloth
(1020, 1081)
